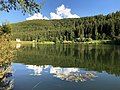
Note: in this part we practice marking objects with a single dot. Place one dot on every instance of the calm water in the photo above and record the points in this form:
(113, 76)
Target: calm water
(67, 67)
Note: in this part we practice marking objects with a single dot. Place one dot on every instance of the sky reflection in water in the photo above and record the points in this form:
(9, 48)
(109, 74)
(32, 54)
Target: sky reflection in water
(68, 74)
(67, 67)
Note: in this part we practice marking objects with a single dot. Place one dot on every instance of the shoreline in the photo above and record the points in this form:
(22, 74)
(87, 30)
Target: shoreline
(69, 42)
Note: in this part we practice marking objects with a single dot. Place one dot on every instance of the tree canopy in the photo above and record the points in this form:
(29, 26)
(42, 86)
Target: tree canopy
(100, 27)
(26, 6)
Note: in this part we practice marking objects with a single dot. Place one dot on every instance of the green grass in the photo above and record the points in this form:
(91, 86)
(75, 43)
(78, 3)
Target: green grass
(66, 42)
(98, 42)
(31, 42)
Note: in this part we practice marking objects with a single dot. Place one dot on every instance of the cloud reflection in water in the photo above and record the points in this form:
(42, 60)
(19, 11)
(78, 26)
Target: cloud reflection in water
(68, 74)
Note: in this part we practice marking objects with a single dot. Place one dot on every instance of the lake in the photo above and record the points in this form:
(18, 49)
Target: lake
(65, 67)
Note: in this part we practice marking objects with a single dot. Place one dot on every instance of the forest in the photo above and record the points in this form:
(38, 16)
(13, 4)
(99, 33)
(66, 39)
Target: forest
(99, 27)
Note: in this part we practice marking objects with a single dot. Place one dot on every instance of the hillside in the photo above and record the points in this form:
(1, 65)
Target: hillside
(98, 27)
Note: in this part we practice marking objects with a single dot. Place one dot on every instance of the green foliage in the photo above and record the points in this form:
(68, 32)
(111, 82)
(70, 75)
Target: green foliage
(6, 28)
(97, 28)
(29, 6)
(1, 30)
(6, 49)
(88, 39)
(57, 40)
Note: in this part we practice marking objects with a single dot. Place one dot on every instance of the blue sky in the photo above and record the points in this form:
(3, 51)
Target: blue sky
(79, 8)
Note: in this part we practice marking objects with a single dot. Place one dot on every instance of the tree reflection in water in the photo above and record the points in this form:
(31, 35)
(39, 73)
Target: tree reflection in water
(6, 78)
(91, 57)
(68, 74)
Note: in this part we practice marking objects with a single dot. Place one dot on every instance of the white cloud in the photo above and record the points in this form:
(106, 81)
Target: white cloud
(55, 16)
(62, 12)
(37, 16)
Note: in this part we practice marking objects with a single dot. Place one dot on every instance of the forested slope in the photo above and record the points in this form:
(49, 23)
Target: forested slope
(98, 27)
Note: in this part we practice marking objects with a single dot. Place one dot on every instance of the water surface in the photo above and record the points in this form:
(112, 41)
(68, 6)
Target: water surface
(67, 67)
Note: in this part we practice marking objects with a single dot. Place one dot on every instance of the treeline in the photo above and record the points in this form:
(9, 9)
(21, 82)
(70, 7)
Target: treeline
(6, 50)
(100, 27)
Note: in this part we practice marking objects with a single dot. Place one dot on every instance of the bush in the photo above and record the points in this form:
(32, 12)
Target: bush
(57, 40)
(1, 32)
(6, 28)
(88, 39)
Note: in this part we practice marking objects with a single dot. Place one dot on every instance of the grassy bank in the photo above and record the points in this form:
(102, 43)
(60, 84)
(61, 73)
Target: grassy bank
(31, 42)
(68, 42)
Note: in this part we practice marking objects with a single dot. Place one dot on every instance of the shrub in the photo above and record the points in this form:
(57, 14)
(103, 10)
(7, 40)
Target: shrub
(6, 28)
(88, 39)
